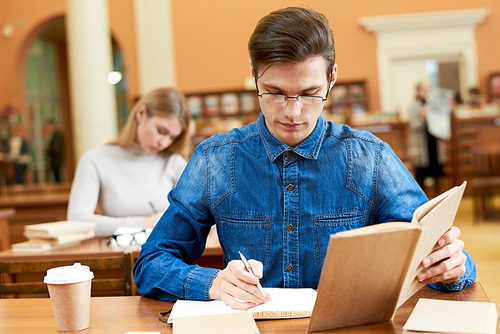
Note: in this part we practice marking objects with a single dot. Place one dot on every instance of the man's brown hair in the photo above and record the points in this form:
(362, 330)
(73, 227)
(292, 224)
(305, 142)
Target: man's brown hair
(291, 35)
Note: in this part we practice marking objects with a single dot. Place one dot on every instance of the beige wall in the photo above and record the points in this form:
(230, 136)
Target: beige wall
(32, 15)
(211, 38)
(35, 16)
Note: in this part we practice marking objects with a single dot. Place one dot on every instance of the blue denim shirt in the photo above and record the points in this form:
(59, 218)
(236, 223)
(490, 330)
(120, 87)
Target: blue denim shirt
(276, 204)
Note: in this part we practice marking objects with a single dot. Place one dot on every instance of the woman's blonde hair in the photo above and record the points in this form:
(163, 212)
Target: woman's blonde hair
(159, 102)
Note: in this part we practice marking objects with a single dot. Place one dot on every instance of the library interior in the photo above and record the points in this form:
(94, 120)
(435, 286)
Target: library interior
(74, 73)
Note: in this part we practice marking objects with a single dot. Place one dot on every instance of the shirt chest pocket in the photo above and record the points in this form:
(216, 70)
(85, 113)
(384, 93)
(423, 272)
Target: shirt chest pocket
(248, 234)
(331, 223)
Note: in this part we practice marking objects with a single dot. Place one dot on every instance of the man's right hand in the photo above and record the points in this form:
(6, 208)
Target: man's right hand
(236, 287)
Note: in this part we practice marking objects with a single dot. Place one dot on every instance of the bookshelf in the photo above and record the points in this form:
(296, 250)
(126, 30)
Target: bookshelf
(470, 134)
(347, 99)
(221, 111)
(216, 112)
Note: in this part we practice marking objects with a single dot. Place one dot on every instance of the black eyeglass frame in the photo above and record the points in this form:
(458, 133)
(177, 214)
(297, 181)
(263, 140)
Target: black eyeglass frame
(115, 236)
(297, 98)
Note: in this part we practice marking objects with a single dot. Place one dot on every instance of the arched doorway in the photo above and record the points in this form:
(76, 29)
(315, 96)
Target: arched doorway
(47, 98)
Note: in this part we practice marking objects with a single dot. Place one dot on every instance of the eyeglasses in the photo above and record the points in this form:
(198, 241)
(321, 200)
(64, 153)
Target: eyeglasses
(127, 239)
(281, 99)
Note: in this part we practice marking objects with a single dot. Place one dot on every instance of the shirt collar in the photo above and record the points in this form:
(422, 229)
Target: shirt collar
(308, 149)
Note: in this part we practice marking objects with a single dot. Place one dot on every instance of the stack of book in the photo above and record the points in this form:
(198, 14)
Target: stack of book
(49, 236)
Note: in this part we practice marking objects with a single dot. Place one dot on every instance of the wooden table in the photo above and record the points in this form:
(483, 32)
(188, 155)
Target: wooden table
(97, 247)
(122, 314)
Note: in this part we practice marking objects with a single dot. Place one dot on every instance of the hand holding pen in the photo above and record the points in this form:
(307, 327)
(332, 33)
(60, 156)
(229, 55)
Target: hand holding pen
(249, 269)
(238, 287)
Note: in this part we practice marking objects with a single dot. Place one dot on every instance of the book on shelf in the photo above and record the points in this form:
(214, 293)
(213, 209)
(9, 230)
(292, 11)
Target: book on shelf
(370, 271)
(55, 229)
(285, 304)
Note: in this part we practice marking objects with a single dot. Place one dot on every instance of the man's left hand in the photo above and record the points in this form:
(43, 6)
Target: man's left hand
(447, 263)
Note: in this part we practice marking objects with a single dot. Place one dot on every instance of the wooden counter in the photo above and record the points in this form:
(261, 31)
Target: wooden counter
(122, 314)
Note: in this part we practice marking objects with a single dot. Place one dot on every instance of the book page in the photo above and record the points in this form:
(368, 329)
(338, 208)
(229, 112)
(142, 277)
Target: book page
(286, 303)
(436, 217)
(446, 316)
(425, 208)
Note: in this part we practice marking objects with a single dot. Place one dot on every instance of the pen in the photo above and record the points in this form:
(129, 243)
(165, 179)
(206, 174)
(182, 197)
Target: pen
(152, 207)
(245, 262)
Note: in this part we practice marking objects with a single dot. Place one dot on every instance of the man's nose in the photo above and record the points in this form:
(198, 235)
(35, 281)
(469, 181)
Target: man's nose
(292, 108)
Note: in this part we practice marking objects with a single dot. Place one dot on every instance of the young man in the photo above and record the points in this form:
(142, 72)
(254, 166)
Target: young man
(277, 188)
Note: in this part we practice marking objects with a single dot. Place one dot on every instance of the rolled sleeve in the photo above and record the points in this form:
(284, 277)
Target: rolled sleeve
(463, 282)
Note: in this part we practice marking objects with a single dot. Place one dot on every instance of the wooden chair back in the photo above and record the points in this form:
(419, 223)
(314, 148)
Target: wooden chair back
(120, 262)
(5, 214)
(485, 161)
(485, 181)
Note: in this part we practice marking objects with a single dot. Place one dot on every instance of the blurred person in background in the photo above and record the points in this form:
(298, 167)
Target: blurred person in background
(128, 179)
(18, 155)
(55, 148)
(424, 148)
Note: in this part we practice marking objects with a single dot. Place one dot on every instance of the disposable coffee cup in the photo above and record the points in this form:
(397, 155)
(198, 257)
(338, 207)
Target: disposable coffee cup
(69, 290)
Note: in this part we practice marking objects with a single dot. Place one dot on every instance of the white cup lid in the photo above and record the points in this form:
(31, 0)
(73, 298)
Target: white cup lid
(68, 274)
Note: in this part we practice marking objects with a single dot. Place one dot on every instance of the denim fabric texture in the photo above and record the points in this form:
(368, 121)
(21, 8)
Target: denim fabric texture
(276, 204)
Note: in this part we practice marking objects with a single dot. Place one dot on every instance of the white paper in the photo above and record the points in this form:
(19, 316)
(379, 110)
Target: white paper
(288, 300)
(445, 316)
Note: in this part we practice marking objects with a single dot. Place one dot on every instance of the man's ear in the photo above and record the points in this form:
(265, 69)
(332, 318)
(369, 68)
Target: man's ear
(333, 78)
(252, 74)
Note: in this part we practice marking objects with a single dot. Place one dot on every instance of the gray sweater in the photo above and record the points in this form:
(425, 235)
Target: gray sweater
(121, 183)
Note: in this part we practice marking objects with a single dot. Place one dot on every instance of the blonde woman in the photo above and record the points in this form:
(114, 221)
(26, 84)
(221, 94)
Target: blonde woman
(125, 183)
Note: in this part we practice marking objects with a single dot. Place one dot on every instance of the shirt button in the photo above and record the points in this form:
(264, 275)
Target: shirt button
(289, 268)
(290, 187)
(290, 227)
(289, 154)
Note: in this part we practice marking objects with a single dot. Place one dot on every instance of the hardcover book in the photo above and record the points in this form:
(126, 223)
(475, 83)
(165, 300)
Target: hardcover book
(55, 229)
(370, 271)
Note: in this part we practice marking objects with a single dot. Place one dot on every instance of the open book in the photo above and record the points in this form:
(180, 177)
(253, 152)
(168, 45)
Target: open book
(370, 271)
(286, 303)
